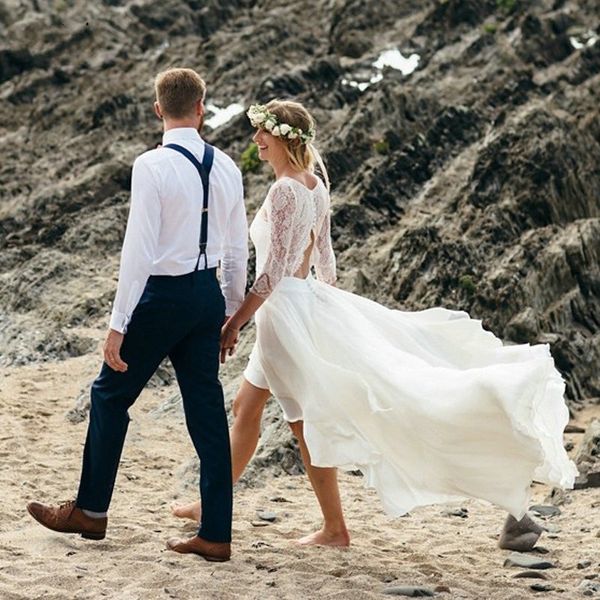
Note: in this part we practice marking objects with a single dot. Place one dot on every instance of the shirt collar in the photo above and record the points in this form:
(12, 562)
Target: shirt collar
(180, 134)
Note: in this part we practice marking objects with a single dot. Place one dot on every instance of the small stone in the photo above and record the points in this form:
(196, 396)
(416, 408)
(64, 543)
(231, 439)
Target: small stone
(259, 523)
(591, 576)
(266, 515)
(442, 589)
(574, 429)
(588, 588)
(409, 590)
(530, 575)
(527, 562)
(463, 513)
(569, 446)
(542, 510)
(278, 499)
(541, 587)
(584, 564)
(260, 544)
(540, 550)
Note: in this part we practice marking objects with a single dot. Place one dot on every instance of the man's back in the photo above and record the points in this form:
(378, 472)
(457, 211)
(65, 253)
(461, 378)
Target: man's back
(163, 229)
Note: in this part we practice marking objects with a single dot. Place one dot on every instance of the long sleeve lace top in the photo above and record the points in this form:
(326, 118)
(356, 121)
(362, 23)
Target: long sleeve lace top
(281, 233)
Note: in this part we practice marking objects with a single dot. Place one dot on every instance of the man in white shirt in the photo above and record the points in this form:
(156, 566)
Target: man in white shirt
(187, 217)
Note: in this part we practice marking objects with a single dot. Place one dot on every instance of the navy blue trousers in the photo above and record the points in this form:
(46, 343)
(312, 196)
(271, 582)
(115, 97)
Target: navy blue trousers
(179, 317)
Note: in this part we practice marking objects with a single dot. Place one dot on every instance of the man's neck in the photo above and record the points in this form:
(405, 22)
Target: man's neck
(177, 124)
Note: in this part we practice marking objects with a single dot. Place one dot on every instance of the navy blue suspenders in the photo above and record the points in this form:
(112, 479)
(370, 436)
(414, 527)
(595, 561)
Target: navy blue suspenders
(204, 168)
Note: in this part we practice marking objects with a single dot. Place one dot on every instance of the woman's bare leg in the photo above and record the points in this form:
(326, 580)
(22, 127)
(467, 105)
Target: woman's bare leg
(324, 483)
(248, 407)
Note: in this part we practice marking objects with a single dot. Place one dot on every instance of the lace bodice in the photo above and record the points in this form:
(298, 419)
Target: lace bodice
(281, 233)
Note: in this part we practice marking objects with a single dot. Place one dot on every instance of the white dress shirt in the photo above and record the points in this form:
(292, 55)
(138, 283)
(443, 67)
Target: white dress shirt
(163, 228)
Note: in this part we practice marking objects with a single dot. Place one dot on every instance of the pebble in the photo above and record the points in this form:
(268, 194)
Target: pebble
(530, 575)
(463, 513)
(544, 510)
(588, 588)
(540, 550)
(584, 564)
(266, 515)
(516, 559)
(574, 429)
(409, 590)
(279, 499)
(260, 544)
(259, 523)
(541, 587)
(442, 589)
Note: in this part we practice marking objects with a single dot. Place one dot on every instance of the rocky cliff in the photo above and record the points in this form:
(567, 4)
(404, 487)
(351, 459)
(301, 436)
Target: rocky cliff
(462, 138)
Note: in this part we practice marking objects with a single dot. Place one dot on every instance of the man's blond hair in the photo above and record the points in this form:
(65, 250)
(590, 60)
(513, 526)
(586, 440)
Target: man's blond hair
(178, 91)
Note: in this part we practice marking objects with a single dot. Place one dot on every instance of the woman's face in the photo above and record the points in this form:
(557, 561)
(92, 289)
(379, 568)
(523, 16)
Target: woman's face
(270, 147)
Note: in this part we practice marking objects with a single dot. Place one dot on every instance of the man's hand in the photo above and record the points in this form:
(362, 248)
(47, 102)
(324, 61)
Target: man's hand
(229, 338)
(112, 351)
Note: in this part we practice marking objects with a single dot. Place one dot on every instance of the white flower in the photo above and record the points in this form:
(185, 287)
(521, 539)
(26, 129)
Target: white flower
(276, 131)
(269, 124)
(292, 135)
(259, 117)
(285, 129)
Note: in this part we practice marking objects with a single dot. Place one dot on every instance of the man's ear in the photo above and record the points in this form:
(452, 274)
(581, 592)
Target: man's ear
(157, 111)
(200, 108)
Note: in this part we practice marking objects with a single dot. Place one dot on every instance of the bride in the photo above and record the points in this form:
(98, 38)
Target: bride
(428, 405)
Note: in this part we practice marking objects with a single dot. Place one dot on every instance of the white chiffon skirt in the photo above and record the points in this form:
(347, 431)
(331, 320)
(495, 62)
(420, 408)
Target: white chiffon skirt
(428, 405)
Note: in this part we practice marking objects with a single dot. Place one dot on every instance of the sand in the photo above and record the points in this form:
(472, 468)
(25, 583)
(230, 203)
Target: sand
(41, 453)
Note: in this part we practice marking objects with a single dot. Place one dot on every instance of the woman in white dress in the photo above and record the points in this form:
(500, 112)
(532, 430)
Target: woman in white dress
(428, 405)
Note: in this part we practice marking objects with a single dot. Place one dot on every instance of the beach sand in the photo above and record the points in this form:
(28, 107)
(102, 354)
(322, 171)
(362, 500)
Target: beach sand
(41, 454)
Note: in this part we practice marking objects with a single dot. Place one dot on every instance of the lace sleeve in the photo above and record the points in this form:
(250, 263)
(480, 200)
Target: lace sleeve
(325, 258)
(281, 219)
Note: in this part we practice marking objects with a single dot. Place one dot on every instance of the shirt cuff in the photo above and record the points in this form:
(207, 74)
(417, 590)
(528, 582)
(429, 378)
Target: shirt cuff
(119, 321)
(231, 306)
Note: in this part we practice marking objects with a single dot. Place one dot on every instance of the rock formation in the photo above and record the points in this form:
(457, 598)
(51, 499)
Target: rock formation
(471, 182)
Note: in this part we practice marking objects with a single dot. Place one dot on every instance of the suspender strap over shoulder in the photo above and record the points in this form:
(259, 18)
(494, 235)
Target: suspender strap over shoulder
(203, 168)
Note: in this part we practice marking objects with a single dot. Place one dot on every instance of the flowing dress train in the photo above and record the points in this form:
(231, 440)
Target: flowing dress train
(428, 405)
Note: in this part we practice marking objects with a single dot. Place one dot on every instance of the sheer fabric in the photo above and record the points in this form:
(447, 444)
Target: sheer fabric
(292, 212)
(427, 404)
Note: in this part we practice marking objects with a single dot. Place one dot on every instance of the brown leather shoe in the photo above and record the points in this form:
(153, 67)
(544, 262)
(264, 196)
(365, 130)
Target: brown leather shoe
(67, 518)
(213, 551)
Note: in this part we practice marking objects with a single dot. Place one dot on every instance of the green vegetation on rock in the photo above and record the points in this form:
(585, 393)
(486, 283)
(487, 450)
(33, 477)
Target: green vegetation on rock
(249, 159)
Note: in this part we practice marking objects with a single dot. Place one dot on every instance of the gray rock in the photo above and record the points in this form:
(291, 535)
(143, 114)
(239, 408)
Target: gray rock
(589, 588)
(558, 497)
(526, 561)
(266, 515)
(530, 575)
(588, 458)
(410, 591)
(541, 587)
(463, 513)
(541, 510)
(584, 564)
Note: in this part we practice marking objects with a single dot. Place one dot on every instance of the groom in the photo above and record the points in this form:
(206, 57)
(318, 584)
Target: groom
(187, 215)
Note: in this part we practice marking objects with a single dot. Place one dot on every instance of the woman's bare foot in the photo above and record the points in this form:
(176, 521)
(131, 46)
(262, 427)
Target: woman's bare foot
(192, 511)
(326, 538)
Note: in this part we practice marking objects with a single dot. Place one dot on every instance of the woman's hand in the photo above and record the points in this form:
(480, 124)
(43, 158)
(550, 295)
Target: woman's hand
(229, 339)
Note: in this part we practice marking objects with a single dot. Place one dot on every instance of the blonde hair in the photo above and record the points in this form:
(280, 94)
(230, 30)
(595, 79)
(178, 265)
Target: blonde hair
(177, 91)
(302, 156)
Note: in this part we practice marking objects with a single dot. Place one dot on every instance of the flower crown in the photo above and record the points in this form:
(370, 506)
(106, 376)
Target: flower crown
(261, 117)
